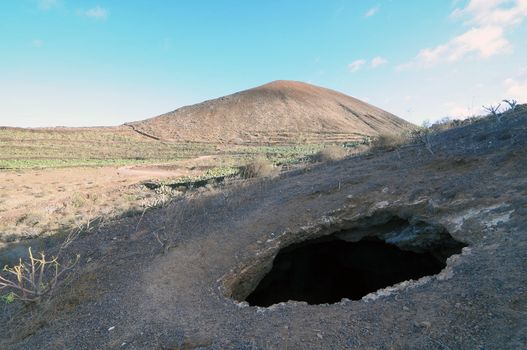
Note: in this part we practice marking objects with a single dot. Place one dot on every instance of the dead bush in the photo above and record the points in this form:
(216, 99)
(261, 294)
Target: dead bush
(331, 153)
(389, 142)
(30, 281)
(445, 124)
(259, 167)
(422, 136)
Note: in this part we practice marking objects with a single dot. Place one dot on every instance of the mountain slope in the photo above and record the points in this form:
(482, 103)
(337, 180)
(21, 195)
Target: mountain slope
(278, 112)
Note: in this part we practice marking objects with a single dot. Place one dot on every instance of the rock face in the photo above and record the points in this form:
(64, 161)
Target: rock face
(135, 293)
(278, 112)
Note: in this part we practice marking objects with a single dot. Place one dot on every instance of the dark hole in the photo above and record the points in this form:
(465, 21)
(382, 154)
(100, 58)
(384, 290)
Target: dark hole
(329, 269)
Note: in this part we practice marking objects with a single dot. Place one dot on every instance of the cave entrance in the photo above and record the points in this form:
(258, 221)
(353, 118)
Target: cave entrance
(328, 269)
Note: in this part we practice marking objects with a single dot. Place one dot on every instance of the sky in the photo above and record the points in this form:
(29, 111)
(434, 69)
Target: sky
(106, 62)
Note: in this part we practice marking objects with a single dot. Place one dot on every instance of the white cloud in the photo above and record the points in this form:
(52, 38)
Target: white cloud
(516, 88)
(356, 65)
(490, 20)
(372, 12)
(97, 12)
(48, 4)
(480, 42)
(378, 61)
(359, 64)
(493, 12)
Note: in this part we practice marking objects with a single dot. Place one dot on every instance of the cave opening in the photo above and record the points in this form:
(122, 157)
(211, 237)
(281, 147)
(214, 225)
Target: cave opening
(353, 263)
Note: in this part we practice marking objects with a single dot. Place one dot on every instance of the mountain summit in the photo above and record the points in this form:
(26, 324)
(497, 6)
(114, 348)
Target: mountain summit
(277, 112)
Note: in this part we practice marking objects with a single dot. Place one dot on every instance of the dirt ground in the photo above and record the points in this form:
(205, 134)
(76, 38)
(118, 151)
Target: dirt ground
(173, 278)
(34, 202)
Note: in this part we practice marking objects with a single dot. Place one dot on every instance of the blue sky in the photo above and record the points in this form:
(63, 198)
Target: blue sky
(83, 63)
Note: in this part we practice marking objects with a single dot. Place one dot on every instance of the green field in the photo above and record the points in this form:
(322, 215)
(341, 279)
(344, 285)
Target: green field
(44, 148)
(72, 147)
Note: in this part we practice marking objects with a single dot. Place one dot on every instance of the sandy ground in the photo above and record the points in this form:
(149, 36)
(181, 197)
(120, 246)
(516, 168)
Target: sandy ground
(33, 201)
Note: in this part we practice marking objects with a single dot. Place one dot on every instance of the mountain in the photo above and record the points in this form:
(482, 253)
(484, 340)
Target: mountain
(277, 112)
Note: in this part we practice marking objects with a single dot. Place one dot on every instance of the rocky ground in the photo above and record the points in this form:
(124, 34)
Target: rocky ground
(174, 277)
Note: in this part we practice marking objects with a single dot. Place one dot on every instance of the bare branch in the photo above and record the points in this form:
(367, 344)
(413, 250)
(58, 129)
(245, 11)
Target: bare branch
(494, 110)
(512, 104)
(35, 278)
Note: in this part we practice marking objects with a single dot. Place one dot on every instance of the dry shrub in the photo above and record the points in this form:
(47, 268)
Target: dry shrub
(259, 167)
(30, 281)
(446, 124)
(389, 142)
(331, 153)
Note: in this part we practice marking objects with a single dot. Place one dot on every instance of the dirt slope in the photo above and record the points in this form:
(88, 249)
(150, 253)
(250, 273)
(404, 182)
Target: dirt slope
(281, 111)
(132, 292)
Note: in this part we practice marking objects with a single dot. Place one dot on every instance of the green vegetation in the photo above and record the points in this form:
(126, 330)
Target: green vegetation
(63, 147)
(8, 298)
(54, 148)
(211, 176)
(280, 155)
(221, 171)
(68, 163)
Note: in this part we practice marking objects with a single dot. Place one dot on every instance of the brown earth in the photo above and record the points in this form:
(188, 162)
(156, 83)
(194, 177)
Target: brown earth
(42, 201)
(278, 112)
(175, 278)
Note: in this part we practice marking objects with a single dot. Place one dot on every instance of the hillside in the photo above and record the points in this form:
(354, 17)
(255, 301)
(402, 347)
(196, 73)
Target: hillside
(278, 112)
(181, 276)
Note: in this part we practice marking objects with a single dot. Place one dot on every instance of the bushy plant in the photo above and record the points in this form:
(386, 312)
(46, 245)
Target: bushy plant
(259, 167)
(389, 142)
(331, 153)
